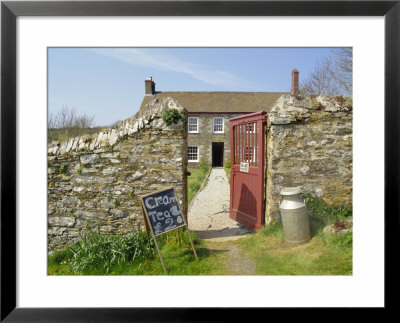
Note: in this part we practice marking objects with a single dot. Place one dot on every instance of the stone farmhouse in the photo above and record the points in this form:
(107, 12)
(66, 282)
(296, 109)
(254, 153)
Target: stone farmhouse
(209, 114)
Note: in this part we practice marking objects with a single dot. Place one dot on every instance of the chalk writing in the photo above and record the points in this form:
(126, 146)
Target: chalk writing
(163, 211)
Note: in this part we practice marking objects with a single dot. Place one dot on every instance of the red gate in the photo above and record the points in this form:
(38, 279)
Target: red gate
(247, 169)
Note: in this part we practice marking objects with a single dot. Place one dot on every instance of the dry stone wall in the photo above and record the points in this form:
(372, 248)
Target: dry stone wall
(309, 144)
(96, 181)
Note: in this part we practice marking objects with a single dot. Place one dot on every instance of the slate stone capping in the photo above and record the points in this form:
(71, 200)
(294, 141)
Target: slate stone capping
(151, 113)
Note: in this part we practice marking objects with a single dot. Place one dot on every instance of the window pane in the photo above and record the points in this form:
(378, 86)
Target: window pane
(193, 153)
(218, 124)
(192, 124)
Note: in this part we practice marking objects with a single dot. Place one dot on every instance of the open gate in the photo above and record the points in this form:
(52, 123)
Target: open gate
(247, 169)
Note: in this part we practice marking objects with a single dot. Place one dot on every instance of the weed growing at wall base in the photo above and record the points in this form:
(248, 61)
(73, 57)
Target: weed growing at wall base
(274, 229)
(130, 255)
(195, 180)
(331, 212)
(97, 254)
(227, 168)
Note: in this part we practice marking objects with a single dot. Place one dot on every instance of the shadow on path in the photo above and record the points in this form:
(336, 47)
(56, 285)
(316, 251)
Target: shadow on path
(233, 233)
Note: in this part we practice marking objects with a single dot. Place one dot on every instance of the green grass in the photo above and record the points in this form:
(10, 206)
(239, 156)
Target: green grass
(99, 254)
(115, 255)
(194, 181)
(182, 261)
(227, 168)
(324, 254)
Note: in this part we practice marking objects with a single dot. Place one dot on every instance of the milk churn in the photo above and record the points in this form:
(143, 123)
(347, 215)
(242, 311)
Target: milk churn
(296, 224)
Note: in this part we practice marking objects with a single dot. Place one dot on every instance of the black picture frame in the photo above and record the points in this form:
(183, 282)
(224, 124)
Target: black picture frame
(10, 10)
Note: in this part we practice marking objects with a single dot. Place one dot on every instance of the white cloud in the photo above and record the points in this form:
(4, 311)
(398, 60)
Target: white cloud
(143, 57)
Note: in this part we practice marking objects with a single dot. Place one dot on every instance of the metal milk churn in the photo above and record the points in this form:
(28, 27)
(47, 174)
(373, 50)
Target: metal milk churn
(296, 224)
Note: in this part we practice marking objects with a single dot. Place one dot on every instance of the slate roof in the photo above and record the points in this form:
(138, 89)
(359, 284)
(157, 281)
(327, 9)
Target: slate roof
(224, 102)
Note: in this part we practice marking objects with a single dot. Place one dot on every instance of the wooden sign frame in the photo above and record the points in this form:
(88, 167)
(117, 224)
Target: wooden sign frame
(149, 227)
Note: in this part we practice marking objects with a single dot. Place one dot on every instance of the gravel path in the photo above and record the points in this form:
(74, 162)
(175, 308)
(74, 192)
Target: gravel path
(209, 215)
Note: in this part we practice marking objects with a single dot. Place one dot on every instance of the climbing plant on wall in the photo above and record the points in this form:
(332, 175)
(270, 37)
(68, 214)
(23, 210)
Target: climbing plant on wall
(171, 116)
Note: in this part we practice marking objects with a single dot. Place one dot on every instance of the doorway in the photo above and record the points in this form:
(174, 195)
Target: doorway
(217, 154)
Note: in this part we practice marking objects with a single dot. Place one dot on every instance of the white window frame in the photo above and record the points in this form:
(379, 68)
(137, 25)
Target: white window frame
(198, 155)
(197, 125)
(213, 125)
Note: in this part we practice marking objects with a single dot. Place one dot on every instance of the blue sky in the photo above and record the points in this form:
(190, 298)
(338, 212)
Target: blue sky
(109, 82)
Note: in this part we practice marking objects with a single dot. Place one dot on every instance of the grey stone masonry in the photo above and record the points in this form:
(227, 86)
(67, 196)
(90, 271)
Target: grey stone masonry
(205, 137)
(96, 181)
(310, 144)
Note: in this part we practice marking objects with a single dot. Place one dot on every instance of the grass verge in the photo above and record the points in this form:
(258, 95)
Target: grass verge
(324, 254)
(194, 181)
(115, 255)
(227, 168)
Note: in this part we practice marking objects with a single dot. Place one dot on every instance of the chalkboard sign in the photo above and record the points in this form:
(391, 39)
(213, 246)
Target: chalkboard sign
(163, 211)
(163, 214)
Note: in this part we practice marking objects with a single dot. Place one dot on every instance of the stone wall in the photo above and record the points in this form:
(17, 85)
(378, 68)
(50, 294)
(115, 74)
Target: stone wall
(309, 144)
(96, 181)
(206, 137)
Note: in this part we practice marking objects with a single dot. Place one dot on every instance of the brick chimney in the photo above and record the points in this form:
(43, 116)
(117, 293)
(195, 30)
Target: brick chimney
(149, 86)
(295, 83)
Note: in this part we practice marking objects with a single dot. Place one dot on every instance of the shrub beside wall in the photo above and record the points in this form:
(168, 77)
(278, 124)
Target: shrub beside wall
(309, 144)
(96, 182)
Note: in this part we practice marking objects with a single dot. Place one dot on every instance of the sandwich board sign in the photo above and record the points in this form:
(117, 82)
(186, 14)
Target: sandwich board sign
(162, 214)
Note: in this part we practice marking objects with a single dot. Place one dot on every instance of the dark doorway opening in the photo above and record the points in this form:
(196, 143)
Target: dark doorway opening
(217, 154)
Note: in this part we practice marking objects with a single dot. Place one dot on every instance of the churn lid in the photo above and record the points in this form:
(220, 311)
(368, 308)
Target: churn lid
(291, 190)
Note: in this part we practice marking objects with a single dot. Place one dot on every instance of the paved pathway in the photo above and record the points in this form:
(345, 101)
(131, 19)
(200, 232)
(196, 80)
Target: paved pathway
(209, 215)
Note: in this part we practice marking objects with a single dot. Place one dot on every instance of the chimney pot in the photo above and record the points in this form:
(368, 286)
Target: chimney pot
(149, 86)
(295, 83)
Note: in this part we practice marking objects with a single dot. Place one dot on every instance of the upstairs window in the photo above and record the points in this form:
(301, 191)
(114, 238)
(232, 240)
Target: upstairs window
(218, 125)
(193, 125)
